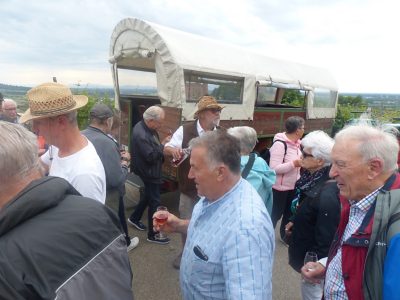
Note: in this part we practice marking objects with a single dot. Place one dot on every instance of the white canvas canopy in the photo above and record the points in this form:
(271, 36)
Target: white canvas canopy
(140, 45)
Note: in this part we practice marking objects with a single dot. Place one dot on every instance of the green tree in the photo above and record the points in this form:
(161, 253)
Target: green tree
(351, 100)
(293, 97)
(83, 113)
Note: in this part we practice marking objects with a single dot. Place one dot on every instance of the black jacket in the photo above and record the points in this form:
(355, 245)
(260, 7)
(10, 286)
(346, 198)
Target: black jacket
(56, 243)
(147, 153)
(315, 222)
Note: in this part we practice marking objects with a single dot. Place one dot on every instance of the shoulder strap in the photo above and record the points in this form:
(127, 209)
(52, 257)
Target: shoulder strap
(395, 199)
(394, 218)
(284, 144)
(249, 165)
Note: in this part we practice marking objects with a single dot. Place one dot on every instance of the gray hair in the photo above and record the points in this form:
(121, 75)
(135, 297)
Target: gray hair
(320, 145)
(293, 123)
(153, 113)
(247, 137)
(373, 143)
(18, 152)
(221, 148)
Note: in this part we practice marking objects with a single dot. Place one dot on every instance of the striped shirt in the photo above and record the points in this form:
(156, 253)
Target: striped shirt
(334, 282)
(236, 242)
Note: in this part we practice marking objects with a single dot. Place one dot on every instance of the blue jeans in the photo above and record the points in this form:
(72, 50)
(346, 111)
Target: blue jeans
(152, 200)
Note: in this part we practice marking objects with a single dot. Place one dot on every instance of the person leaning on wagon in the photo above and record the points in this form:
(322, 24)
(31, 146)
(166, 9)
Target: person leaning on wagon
(316, 208)
(286, 162)
(254, 169)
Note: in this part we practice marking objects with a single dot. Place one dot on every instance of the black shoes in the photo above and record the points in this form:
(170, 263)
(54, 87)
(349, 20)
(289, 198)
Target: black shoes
(139, 225)
(162, 241)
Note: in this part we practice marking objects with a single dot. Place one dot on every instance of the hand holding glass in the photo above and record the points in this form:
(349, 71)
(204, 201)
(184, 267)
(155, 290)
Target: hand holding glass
(161, 217)
(310, 257)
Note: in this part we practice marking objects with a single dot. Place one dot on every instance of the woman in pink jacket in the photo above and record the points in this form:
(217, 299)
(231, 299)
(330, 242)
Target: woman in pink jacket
(287, 168)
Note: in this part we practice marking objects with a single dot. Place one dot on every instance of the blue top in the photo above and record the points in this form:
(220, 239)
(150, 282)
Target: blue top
(391, 270)
(237, 241)
(261, 177)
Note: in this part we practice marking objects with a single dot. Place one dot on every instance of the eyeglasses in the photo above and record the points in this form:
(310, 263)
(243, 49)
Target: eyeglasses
(215, 110)
(305, 155)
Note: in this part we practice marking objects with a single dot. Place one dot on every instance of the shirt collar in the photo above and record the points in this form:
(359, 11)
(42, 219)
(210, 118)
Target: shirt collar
(365, 203)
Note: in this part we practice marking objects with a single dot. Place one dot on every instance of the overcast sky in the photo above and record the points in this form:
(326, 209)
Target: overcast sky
(357, 40)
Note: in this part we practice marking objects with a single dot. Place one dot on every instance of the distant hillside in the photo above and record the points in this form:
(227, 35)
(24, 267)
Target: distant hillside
(18, 93)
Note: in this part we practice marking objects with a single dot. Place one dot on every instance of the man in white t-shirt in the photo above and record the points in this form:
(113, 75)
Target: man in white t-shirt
(53, 111)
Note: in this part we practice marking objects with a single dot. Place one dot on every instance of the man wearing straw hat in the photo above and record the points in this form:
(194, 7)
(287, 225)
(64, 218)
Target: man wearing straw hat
(207, 119)
(53, 112)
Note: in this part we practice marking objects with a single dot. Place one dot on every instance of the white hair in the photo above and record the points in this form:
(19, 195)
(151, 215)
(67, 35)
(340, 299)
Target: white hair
(247, 137)
(373, 143)
(153, 113)
(18, 152)
(320, 145)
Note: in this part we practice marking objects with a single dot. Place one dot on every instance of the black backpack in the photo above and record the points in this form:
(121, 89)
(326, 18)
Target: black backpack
(266, 155)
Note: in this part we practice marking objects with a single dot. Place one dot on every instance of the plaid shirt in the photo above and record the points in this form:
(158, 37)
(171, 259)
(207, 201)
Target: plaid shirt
(237, 243)
(334, 282)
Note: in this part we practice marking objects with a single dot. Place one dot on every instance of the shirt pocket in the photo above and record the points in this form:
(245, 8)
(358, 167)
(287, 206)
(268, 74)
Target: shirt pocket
(208, 277)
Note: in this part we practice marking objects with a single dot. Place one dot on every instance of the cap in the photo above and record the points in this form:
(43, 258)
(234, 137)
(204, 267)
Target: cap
(101, 111)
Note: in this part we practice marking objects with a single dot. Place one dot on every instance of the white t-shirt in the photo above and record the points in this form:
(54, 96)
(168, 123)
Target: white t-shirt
(83, 170)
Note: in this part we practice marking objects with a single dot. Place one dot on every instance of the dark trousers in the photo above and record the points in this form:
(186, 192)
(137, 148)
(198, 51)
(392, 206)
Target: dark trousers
(152, 200)
(115, 197)
(281, 208)
(122, 219)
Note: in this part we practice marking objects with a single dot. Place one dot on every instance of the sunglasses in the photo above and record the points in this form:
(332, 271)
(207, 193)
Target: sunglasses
(305, 155)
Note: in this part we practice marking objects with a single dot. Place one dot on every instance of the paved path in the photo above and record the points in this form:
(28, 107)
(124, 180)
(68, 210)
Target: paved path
(154, 278)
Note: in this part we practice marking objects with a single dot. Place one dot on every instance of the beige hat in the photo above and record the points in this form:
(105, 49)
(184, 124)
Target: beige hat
(207, 102)
(51, 99)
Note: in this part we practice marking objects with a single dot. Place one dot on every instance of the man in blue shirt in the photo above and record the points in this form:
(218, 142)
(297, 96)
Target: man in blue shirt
(230, 245)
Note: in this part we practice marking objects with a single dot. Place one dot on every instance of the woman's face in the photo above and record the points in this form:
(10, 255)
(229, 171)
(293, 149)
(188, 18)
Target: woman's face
(309, 162)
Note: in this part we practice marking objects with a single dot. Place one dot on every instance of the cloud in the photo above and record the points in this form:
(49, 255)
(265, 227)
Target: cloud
(355, 39)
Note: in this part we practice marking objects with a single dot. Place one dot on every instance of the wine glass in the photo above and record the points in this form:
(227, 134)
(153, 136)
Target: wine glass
(161, 218)
(310, 257)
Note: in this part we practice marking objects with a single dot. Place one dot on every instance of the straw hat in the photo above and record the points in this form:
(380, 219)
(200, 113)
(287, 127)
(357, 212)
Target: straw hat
(51, 99)
(207, 102)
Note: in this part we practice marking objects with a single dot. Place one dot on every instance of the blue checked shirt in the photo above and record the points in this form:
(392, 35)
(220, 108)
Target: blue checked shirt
(236, 235)
(334, 283)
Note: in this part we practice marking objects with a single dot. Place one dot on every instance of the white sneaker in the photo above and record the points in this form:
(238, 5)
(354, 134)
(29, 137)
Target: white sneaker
(133, 244)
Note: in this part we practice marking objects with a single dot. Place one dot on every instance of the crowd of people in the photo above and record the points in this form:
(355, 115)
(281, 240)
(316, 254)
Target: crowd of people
(338, 201)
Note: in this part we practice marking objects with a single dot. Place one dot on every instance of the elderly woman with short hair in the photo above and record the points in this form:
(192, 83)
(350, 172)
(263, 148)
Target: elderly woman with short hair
(260, 175)
(316, 207)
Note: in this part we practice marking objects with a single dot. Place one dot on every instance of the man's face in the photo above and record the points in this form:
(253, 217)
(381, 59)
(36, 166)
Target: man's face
(349, 170)
(10, 110)
(205, 179)
(210, 118)
(45, 128)
(157, 124)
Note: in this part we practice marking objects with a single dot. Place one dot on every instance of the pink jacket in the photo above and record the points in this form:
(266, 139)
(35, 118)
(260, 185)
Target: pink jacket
(286, 173)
